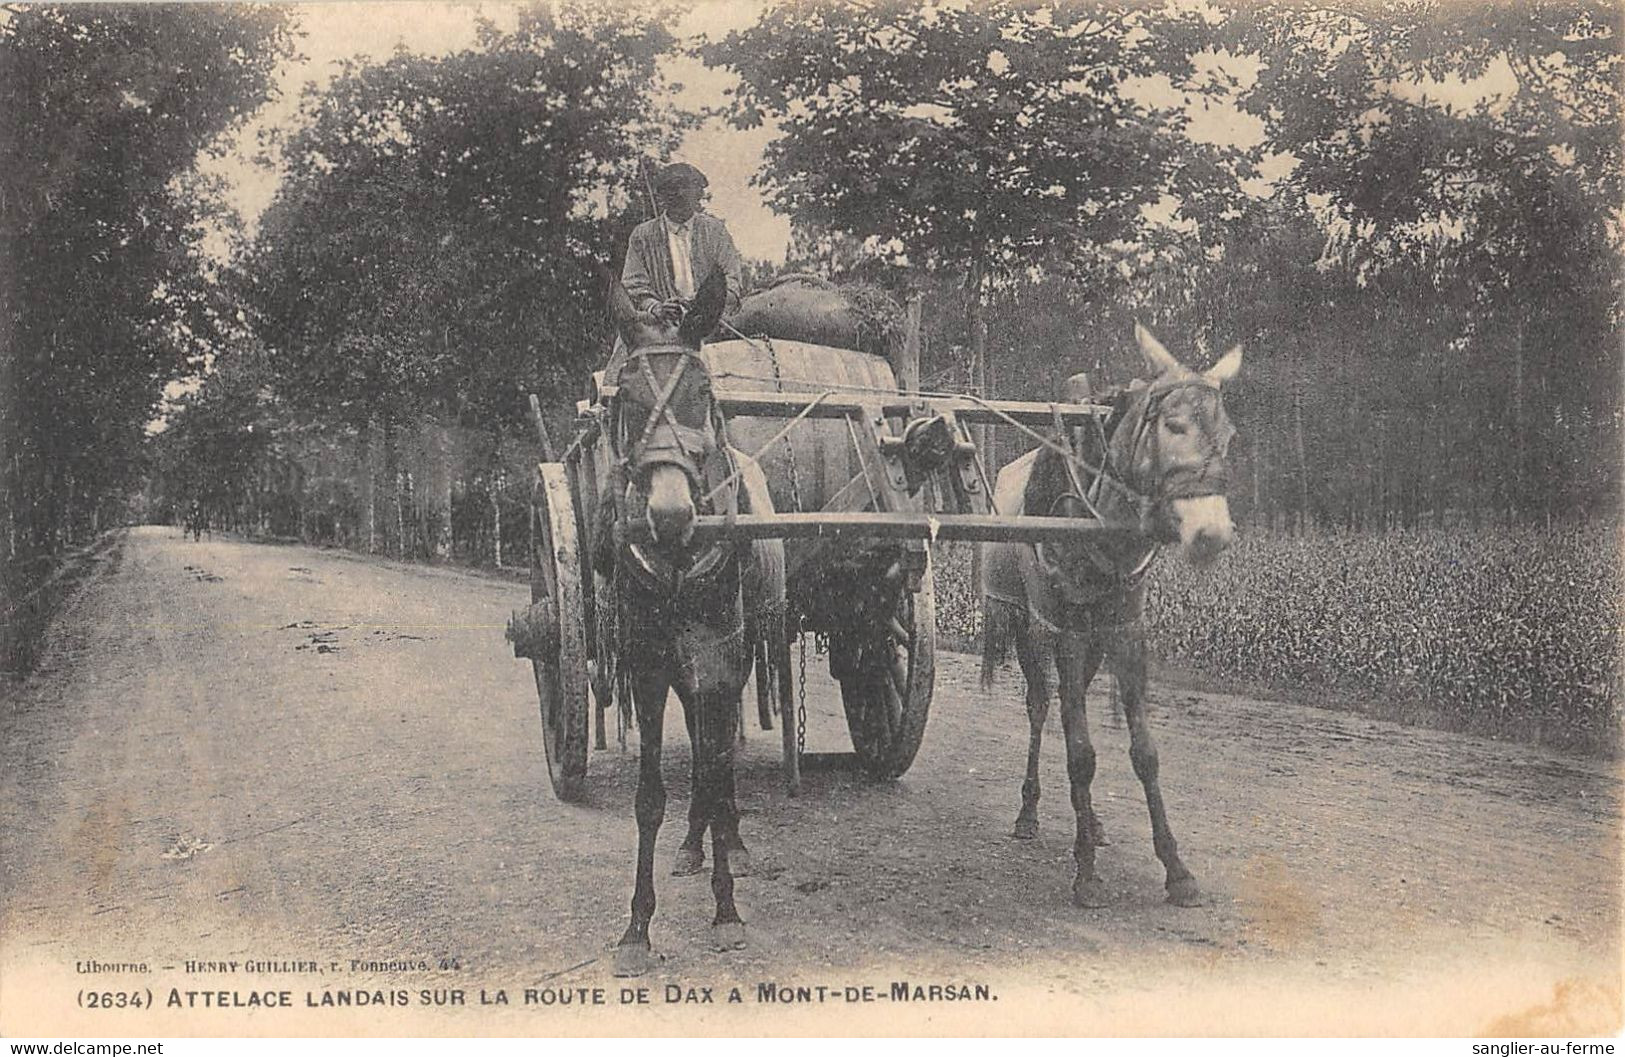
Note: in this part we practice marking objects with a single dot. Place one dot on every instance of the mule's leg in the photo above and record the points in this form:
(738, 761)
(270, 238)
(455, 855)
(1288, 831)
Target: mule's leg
(633, 957)
(1077, 658)
(1035, 664)
(725, 822)
(1128, 662)
(712, 717)
(732, 653)
(711, 692)
(727, 850)
(691, 853)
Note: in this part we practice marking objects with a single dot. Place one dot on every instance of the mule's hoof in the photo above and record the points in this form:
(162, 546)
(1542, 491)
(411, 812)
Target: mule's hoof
(728, 935)
(739, 862)
(634, 959)
(1184, 893)
(689, 861)
(1026, 829)
(1090, 894)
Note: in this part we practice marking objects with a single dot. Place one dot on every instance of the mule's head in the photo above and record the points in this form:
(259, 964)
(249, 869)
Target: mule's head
(665, 420)
(1177, 447)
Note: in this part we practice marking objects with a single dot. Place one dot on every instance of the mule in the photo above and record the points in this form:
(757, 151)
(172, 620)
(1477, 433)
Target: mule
(1156, 468)
(681, 606)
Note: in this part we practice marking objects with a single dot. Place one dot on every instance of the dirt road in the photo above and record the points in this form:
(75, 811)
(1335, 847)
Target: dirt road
(309, 764)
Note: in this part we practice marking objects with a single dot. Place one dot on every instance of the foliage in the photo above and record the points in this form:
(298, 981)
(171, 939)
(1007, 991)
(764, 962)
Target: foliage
(430, 248)
(1507, 631)
(1512, 626)
(995, 133)
(104, 111)
(105, 295)
(1464, 163)
(1429, 295)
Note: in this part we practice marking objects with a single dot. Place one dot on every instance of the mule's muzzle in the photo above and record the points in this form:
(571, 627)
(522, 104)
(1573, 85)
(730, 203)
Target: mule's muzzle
(669, 507)
(1201, 526)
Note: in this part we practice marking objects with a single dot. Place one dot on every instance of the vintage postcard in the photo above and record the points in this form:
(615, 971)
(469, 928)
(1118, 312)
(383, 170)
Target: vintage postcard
(822, 518)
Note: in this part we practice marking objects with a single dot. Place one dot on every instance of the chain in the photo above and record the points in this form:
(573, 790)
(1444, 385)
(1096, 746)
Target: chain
(789, 448)
(801, 691)
(795, 499)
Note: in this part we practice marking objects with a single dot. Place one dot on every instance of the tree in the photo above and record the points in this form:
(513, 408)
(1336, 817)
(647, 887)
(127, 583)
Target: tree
(430, 256)
(104, 295)
(1473, 151)
(983, 140)
(431, 246)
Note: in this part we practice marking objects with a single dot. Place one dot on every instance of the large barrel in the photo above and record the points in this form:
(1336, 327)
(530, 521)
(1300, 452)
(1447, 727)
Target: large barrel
(824, 457)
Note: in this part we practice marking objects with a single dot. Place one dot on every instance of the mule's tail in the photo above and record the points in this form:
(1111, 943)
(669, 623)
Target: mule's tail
(998, 631)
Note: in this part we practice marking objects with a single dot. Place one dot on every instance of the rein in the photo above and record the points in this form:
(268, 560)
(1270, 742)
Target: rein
(1120, 474)
(1191, 483)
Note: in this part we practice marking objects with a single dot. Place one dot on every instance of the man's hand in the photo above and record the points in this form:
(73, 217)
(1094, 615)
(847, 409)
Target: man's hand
(669, 312)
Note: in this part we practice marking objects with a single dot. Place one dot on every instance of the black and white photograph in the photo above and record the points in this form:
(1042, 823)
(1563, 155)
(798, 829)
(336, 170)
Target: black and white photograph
(855, 518)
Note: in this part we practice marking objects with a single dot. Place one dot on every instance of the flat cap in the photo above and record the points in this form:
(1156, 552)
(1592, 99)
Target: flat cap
(680, 174)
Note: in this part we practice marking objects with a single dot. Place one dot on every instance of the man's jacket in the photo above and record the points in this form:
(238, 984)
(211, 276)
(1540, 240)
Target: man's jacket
(647, 273)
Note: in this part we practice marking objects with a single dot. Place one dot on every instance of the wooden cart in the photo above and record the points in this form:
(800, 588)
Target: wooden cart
(864, 478)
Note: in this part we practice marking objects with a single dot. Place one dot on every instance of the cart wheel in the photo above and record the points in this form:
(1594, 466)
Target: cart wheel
(887, 701)
(561, 675)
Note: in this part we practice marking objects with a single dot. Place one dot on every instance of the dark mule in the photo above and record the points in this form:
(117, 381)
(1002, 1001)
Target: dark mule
(680, 606)
(1157, 466)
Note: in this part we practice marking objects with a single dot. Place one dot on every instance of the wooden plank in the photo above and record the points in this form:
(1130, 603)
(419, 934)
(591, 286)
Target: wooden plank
(541, 429)
(907, 364)
(901, 525)
(788, 405)
(854, 496)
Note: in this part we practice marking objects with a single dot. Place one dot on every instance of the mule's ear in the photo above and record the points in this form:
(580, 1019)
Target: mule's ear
(702, 316)
(1226, 369)
(1159, 359)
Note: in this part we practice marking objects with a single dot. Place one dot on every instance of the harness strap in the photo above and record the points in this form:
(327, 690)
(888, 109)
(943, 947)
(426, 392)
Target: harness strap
(1078, 489)
(662, 404)
(1071, 457)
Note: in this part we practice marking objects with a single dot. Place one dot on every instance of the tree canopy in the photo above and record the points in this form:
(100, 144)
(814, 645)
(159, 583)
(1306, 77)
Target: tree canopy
(1432, 285)
(106, 295)
(993, 133)
(430, 248)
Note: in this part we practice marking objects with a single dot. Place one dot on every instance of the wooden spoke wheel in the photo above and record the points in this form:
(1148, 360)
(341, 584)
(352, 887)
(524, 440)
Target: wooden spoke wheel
(556, 584)
(888, 697)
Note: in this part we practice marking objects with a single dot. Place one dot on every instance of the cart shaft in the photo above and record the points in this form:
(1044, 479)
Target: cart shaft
(989, 412)
(989, 528)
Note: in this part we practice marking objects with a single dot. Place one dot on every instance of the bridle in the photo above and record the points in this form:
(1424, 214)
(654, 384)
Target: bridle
(1210, 477)
(1128, 477)
(701, 452)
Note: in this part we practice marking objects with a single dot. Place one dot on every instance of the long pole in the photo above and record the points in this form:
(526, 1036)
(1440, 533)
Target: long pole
(824, 524)
(655, 211)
